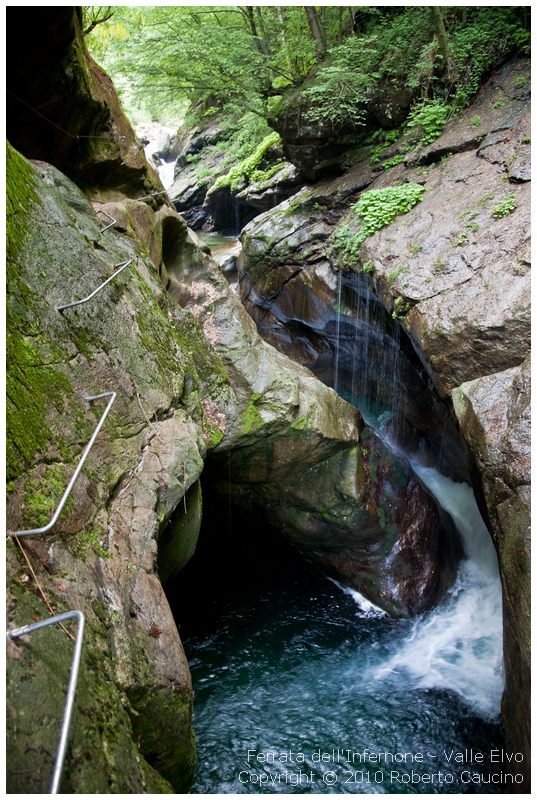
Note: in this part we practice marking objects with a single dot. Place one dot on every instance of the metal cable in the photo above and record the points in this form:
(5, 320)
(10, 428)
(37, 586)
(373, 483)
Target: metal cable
(46, 528)
(71, 687)
(98, 289)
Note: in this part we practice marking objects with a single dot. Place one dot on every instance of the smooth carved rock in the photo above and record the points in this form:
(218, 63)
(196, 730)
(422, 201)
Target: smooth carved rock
(290, 437)
(494, 414)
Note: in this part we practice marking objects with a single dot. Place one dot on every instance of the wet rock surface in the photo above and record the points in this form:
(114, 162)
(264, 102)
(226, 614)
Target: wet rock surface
(89, 138)
(494, 414)
(291, 437)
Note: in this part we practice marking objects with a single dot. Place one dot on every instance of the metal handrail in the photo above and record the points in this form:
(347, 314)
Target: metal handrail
(47, 528)
(97, 290)
(71, 688)
(102, 211)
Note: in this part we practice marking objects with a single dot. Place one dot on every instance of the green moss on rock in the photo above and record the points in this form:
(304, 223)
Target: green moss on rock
(173, 756)
(31, 390)
(178, 541)
(20, 195)
(42, 495)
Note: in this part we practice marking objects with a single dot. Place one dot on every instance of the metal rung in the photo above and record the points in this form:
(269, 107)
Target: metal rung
(153, 194)
(50, 525)
(102, 211)
(71, 688)
(98, 289)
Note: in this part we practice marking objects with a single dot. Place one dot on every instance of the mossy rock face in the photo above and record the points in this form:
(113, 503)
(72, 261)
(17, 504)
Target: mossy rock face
(102, 755)
(131, 339)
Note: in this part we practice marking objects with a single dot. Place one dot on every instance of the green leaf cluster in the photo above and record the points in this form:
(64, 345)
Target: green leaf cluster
(428, 119)
(377, 208)
(374, 210)
(506, 207)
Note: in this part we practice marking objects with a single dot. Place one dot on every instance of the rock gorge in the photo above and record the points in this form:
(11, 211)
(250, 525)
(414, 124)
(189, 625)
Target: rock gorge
(237, 390)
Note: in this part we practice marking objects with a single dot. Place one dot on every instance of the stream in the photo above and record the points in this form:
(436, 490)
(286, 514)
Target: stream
(288, 666)
(304, 686)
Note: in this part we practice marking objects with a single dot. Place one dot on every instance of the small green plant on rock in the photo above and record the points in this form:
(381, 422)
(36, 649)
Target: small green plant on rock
(428, 118)
(377, 208)
(475, 122)
(461, 239)
(507, 206)
(392, 162)
(438, 266)
(401, 307)
(394, 274)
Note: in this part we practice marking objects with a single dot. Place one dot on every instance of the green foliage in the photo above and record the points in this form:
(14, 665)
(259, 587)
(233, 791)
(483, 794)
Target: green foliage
(461, 239)
(374, 210)
(475, 122)
(401, 307)
(345, 246)
(377, 208)
(394, 274)
(428, 119)
(211, 56)
(387, 139)
(392, 162)
(236, 61)
(487, 37)
(506, 207)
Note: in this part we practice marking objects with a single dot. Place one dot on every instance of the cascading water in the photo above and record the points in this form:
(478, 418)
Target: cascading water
(457, 646)
(305, 687)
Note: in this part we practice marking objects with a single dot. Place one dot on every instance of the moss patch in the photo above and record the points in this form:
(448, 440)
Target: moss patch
(31, 390)
(249, 170)
(173, 755)
(178, 541)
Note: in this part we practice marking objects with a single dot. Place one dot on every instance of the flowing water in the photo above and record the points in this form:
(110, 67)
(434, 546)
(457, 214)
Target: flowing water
(222, 247)
(296, 678)
(304, 686)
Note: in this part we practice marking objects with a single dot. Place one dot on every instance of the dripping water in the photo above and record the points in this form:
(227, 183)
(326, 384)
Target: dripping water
(458, 645)
(338, 337)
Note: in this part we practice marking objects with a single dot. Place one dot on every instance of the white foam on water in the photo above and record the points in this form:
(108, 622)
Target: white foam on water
(165, 171)
(367, 608)
(458, 645)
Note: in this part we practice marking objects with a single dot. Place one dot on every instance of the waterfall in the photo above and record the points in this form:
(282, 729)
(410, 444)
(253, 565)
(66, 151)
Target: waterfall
(338, 332)
(458, 645)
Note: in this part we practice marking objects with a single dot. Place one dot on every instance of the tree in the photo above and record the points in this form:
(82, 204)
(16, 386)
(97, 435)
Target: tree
(440, 33)
(95, 15)
(317, 31)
